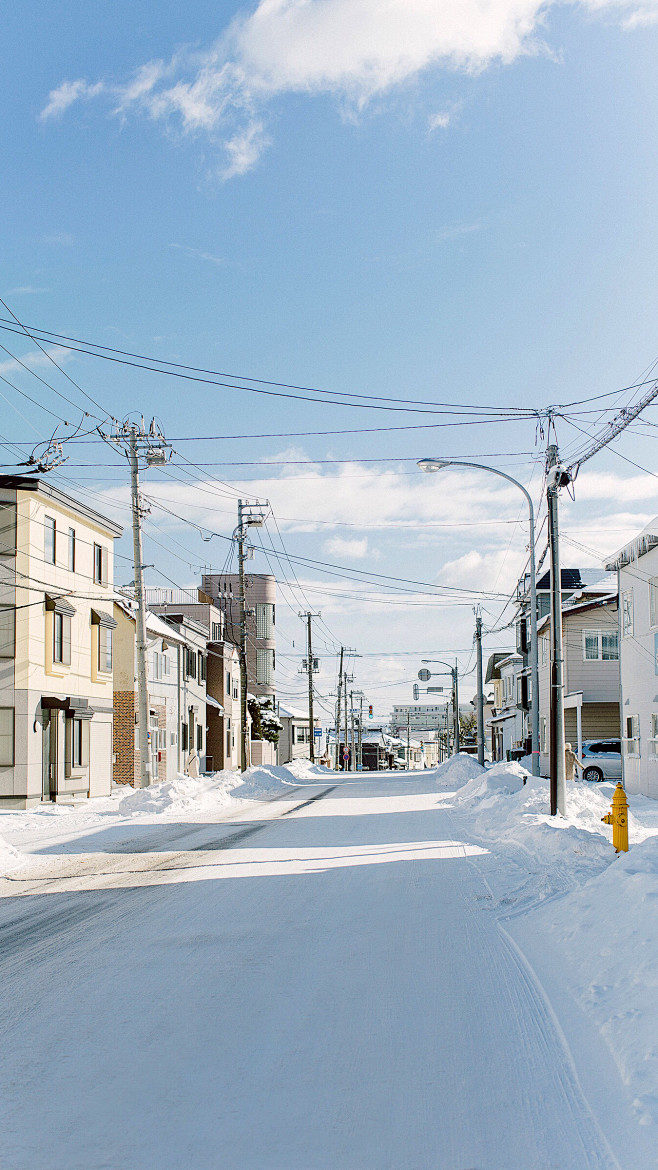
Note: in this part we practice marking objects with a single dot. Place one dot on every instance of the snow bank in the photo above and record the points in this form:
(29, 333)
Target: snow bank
(10, 858)
(184, 794)
(605, 936)
(500, 779)
(268, 781)
(456, 771)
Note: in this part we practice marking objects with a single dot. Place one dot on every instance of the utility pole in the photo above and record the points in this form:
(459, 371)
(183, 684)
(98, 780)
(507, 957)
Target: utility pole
(480, 692)
(345, 681)
(310, 666)
(558, 788)
(408, 740)
(244, 737)
(361, 735)
(455, 693)
(145, 776)
(338, 701)
(246, 519)
(151, 448)
(352, 737)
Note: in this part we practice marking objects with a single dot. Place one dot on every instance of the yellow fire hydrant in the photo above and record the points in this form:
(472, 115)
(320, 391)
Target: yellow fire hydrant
(618, 818)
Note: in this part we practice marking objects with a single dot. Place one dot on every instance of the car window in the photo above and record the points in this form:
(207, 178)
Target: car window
(595, 748)
(613, 747)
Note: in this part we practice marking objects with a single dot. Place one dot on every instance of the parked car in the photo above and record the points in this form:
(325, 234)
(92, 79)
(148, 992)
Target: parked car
(602, 759)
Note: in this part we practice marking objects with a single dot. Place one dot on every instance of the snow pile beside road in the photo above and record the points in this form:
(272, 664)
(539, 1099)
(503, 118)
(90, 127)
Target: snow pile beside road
(10, 858)
(269, 781)
(604, 936)
(500, 779)
(305, 770)
(456, 771)
(184, 794)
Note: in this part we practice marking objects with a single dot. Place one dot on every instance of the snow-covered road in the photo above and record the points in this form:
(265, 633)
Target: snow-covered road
(312, 983)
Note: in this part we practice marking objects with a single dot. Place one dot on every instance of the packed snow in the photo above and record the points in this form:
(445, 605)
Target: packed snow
(578, 924)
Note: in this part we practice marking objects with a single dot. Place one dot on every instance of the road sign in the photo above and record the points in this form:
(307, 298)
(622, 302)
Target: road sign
(416, 692)
(317, 732)
(424, 674)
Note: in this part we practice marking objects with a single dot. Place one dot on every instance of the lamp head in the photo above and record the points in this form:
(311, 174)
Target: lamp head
(432, 464)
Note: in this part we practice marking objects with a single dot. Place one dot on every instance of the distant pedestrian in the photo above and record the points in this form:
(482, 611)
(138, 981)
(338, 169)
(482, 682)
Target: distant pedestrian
(571, 762)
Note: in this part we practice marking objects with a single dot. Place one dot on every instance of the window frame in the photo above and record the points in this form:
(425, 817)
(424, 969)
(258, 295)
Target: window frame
(71, 550)
(100, 568)
(8, 759)
(600, 634)
(627, 613)
(50, 540)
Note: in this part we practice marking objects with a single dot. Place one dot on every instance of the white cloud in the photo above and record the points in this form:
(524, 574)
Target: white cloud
(26, 290)
(353, 49)
(197, 254)
(439, 121)
(37, 359)
(66, 94)
(354, 549)
(64, 239)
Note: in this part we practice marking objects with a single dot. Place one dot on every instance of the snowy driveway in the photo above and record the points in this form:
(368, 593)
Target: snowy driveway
(315, 983)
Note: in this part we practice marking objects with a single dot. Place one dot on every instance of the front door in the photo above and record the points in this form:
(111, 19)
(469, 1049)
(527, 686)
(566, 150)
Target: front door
(49, 755)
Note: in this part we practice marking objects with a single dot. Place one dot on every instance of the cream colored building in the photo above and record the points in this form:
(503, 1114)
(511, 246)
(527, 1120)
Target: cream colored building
(56, 645)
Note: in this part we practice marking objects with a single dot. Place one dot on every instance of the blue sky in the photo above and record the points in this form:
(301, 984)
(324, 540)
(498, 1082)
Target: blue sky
(424, 203)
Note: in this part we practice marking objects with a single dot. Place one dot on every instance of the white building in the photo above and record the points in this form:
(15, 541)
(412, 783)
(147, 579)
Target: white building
(506, 724)
(637, 577)
(295, 736)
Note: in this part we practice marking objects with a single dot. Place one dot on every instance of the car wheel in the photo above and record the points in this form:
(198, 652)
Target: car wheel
(592, 773)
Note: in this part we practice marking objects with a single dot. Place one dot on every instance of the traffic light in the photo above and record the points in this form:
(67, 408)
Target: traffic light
(370, 711)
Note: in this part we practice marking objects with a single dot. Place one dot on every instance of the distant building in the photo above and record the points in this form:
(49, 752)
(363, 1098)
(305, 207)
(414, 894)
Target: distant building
(506, 722)
(295, 736)
(260, 595)
(56, 645)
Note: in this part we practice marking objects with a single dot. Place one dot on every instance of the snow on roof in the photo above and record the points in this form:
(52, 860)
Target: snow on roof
(154, 625)
(636, 548)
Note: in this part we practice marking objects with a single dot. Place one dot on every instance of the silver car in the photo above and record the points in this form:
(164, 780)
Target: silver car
(602, 759)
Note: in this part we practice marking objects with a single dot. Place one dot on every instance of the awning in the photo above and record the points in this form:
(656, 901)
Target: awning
(74, 706)
(100, 618)
(59, 605)
(210, 702)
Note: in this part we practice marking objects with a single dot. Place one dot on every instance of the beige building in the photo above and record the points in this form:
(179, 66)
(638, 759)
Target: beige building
(56, 645)
(591, 670)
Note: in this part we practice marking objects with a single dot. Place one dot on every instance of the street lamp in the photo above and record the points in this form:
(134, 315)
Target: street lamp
(430, 465)
(425, 676)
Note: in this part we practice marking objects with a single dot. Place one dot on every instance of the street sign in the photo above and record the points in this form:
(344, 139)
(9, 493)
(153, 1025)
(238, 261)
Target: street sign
(424, 674)
(434, 690)
(317, 732)
(416, 692)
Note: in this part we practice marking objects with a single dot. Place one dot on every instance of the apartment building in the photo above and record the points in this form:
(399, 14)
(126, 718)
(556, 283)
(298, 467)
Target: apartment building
(56, 645)
(223, 746)
(260, 597)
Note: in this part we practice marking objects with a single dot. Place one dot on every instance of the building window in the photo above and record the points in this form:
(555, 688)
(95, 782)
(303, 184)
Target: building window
(190, 663)
(264, 620)
(264, 667)
(632, 740)
(7, 631)
(7, 530)
(199, 738)
(183, 736)
(62, 639)
(100, 564)
(228, 682)
(653, 742)
(543, 735)
(105, 649)
(50, 541)
(77, 745)
(216, 632)
(600, 645)
(202, 667)
(6, 737)
(543, 642)
(72, 550)
(627, 614)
